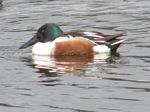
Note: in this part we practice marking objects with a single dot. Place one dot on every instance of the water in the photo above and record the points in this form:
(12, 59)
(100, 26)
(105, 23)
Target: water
(72, 84)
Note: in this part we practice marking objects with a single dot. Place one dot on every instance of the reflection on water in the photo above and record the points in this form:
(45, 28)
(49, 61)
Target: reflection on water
(52, 68)
(75, 65)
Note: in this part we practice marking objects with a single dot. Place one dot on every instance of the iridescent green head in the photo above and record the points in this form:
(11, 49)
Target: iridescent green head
(47, 32)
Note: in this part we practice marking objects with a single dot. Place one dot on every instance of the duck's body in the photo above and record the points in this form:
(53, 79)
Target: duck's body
(69, 46)
(50, 40)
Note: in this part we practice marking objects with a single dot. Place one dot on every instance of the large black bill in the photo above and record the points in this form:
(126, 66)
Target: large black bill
(30, 42)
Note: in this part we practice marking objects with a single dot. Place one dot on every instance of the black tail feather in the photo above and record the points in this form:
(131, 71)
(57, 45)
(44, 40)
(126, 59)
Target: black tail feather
(110, 38)
(114, 48)
(115, 44)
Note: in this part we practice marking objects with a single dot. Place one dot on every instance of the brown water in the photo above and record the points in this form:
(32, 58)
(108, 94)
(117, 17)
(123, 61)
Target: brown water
(71, 84)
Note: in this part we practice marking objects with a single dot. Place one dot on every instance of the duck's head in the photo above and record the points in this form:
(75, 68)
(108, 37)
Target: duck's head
(47, 32)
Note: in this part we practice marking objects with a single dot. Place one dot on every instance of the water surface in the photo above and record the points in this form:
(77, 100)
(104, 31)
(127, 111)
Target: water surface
(119, 83)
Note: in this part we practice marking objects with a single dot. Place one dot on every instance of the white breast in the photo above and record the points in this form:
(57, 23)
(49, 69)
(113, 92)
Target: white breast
(43, 48)
(46, 48)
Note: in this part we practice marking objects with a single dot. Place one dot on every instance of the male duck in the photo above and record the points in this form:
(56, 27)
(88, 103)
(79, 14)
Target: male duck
(51, 40)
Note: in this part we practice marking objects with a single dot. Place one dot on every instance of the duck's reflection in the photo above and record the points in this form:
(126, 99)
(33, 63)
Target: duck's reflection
(51, 68)
(62, 64)
(75, 65)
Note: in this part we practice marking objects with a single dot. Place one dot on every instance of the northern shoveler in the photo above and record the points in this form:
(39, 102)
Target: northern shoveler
(51, 40)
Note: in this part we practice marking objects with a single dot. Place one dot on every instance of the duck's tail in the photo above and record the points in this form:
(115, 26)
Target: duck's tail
(115, 44)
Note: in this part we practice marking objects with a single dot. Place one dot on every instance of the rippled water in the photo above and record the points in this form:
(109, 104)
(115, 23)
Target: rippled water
(71, 84)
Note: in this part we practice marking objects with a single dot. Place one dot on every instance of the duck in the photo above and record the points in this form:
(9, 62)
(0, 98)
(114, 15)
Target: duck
(50, 39)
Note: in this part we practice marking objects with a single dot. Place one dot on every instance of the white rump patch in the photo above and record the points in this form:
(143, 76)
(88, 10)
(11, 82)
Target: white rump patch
(101, 49)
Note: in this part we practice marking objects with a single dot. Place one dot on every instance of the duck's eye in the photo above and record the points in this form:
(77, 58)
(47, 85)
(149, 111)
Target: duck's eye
(39, 37)
(43, 31)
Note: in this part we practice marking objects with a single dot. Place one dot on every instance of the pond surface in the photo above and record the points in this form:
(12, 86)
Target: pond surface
(71, 84)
